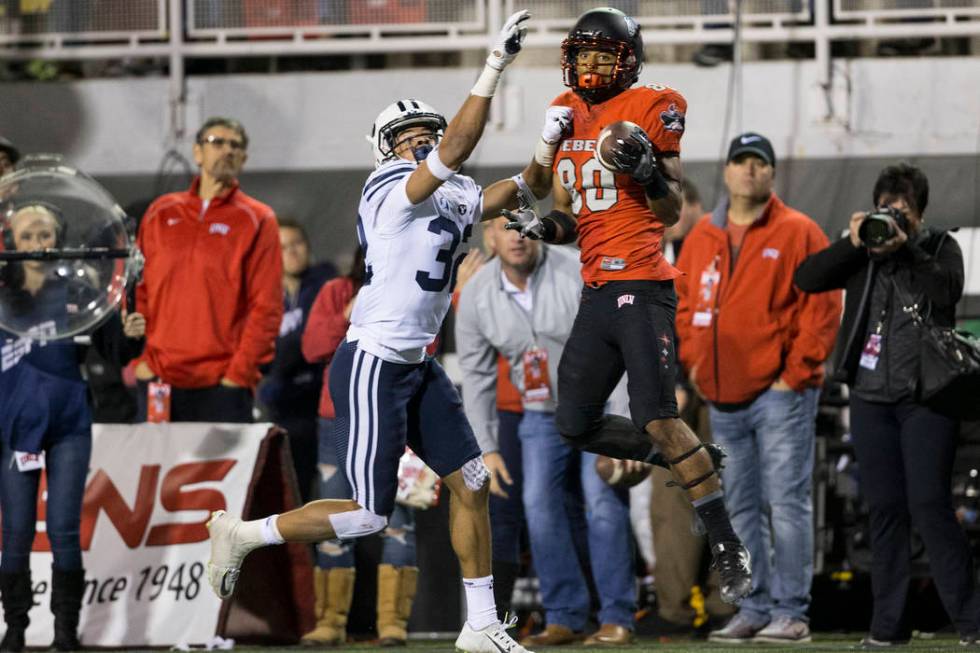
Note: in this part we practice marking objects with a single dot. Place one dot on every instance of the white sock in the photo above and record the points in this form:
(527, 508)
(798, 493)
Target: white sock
(481, 609)
(260, 532)
(270, 530)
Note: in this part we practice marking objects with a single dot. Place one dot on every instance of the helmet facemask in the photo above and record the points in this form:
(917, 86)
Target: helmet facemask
(590, 86)
(397, 137)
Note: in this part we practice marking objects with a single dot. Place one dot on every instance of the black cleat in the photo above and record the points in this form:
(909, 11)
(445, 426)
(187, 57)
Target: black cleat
(731, 559)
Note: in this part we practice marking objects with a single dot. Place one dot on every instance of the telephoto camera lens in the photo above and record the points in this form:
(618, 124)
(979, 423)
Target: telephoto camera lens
(875, 231)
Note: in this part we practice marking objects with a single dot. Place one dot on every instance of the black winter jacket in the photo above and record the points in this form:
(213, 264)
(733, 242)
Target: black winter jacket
(935, 264)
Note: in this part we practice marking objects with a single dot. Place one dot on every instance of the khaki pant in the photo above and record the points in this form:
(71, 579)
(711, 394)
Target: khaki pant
(679, 552)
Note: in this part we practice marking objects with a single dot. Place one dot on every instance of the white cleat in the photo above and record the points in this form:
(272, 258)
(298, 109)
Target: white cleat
(492, 639)
(227, 552)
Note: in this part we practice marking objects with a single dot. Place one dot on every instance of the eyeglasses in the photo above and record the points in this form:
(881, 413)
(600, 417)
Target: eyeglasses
(219, 142)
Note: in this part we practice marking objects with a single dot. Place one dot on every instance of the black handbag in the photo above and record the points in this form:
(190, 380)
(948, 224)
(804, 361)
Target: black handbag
(949, 365)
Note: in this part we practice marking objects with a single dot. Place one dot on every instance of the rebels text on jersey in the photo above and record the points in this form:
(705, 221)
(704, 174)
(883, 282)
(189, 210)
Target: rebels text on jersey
(411, 252)
(619, 236)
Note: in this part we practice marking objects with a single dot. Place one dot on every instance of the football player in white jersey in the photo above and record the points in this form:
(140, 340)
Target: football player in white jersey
(414, 219)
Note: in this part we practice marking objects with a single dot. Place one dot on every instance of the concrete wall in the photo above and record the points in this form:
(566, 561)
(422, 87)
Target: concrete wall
(316, 121)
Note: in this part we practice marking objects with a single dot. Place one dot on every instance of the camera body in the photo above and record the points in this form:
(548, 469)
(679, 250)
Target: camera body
(877, 229)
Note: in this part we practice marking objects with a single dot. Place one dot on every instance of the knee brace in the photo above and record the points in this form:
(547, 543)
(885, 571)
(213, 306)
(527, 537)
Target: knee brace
(475, 474)
(357, 523)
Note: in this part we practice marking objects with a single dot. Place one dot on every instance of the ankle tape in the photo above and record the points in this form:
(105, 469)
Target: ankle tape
(687, 454)
(698, 481)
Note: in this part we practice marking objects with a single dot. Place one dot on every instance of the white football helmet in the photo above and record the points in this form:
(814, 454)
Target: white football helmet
(396, 117)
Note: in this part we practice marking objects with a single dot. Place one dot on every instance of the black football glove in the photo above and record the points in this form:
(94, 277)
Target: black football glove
(634, 156)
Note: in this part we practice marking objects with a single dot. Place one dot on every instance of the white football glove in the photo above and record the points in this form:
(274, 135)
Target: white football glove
(557, 124)
(525, 221)
(509, 41)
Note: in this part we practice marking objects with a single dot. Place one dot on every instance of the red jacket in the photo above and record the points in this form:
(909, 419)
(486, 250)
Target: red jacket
(325, 329)
(211, 289)
(744, 326)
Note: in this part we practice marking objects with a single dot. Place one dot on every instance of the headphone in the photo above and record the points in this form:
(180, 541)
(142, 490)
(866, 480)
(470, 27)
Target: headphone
(47, 208)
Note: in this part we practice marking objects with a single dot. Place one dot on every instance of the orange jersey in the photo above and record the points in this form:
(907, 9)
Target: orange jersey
(619, 236)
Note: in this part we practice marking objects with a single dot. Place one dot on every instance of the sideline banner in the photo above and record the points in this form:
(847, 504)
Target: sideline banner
(150, 491)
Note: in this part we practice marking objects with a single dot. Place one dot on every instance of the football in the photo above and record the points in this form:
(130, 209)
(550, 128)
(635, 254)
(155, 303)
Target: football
(613, 472)
(608, 138)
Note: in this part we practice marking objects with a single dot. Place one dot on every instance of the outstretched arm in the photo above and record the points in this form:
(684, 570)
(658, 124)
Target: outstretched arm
(466, 127)
(534, 182)
(557, 227)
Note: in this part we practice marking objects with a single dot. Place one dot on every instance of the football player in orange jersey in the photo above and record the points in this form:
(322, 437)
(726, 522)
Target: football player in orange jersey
(625, 320)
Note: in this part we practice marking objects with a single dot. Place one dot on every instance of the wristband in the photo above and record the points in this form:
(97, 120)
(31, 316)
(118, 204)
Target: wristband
(486, 83)
(656, 187)
(438, 169)
(544, 153)
(523, 190)
(557, 219)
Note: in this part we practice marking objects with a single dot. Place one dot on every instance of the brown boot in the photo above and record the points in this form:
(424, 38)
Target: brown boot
(396, 592)
(334, 589)
(610, 635)
(553, 635)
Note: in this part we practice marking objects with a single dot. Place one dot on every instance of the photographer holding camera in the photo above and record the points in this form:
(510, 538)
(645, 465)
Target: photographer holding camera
(890, 260)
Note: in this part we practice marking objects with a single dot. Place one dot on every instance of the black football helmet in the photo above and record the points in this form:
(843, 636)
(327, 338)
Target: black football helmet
(609, 30)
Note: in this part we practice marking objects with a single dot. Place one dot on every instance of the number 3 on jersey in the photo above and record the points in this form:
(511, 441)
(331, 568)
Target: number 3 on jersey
(450, 265)
(598, 185)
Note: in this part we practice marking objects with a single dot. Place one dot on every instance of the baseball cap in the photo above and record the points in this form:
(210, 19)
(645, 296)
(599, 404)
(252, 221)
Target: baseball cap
(752, 143)
(12, 152)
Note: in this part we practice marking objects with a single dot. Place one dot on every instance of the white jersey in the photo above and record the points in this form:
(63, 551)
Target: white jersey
(411, 254)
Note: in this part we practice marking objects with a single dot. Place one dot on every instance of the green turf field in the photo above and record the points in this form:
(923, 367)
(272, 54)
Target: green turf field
(833, 642)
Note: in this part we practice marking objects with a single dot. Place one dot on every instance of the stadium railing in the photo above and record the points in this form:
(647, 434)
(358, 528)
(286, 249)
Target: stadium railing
(889, 10)
(79, 29)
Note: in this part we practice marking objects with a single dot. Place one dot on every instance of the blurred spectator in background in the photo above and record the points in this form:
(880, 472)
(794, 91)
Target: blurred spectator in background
(112, 401)
(904, 447)
(326, 327)
(753, 346)
(45, 423)
(678, 567)
(521, 305)
(211, 288)
(9, 156)
(290, 390)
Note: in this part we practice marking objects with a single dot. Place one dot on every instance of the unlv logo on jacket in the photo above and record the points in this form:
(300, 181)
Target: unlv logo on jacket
(105, 506)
